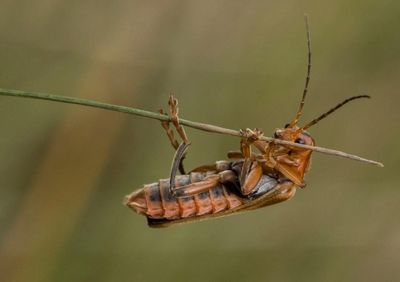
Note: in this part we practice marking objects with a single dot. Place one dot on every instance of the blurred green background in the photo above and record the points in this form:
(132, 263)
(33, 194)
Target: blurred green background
(65, 169)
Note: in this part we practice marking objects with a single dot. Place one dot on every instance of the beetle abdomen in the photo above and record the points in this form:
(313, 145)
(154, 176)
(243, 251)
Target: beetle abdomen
(155, 200)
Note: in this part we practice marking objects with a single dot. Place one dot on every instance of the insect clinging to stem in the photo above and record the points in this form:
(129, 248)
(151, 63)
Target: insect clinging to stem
(245, 181)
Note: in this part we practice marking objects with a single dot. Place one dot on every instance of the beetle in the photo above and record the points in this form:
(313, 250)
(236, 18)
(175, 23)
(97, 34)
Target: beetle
(243, 182)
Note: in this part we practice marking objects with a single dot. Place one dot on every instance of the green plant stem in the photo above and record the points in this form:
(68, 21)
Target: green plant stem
(161, 117)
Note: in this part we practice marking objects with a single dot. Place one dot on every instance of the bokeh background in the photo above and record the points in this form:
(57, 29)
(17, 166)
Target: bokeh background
(65, 169)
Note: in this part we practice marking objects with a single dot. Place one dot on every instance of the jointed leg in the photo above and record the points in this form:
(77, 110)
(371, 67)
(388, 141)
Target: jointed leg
(169, 131)
(206, 184)
(285, 165)
(173, 109)
(251, 170)
(177, 163)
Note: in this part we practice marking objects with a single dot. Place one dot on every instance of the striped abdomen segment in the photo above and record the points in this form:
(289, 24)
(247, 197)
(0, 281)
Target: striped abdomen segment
(155, 200)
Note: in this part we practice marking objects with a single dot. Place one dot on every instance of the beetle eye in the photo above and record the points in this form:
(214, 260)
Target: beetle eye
(287, 125)
(299, 140)
(276, 135)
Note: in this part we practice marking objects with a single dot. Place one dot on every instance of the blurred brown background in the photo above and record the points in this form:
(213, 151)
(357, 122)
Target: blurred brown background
(65, 169)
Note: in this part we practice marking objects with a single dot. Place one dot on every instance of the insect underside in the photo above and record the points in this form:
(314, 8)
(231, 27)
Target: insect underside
(216, 198)
(245, 181)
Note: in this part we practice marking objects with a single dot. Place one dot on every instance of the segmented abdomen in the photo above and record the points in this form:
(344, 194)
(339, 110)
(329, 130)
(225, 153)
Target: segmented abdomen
(155, 200)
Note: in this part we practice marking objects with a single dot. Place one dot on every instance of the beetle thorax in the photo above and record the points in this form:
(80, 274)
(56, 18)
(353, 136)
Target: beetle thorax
(291, 161)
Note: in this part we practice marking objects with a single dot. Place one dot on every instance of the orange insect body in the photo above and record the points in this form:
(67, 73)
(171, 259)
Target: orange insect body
(244, 182)
(220, 189)
(163, 208)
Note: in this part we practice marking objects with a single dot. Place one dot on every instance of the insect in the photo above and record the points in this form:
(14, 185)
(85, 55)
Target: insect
(245, 181)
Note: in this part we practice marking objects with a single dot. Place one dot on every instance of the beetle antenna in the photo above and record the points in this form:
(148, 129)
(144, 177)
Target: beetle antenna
(311, 123)
(300, 111)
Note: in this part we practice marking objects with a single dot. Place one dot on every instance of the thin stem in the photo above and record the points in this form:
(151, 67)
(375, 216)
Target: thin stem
(152, 115)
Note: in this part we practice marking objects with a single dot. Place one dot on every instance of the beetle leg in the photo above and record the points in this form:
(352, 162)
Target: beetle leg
(168, 130)
(205, 185)
(177, 162)
(284, 164)
(251, 170)
(261, 145)
(182, 148)
(287, 160)
(249, 136)
(174, 142)
(173, 109)
(196, 188)
(251, 178)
